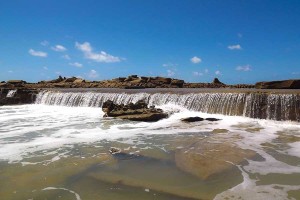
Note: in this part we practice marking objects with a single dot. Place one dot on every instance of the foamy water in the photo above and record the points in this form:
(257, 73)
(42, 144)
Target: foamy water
(31, 131)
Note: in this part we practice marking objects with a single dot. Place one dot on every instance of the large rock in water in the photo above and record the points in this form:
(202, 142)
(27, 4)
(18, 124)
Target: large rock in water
(134, 112)
(285, 84)
(205, 159)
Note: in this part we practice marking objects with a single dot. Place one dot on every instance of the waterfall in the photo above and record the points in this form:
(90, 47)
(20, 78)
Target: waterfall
(254, 105)
(11, 93)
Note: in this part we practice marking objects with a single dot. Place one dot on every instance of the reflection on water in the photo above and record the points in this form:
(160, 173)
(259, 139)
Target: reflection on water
(63, 153)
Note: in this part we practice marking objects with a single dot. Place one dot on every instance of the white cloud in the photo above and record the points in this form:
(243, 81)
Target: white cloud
(67, 57)
(235, 47)
(10, 71)
(37, 53)
(58, 73)
(218, 72)
(197, 74)
(87, 50)
(240, 35)
(45, 68)
(170, 72)
(206, 71)
(244, 68)
(76, 64)
(195, 60)
(93, 74)
(44, 43)
(59, 48)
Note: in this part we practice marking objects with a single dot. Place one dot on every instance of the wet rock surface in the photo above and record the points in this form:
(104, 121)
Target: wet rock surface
(192, 119)
(206, 159)
(17, 97)
(198, 119)
(134, 112)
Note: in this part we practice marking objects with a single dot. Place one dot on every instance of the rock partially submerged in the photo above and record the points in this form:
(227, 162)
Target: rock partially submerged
(198, 119)
(192, 119)
(134, 112)
(205, 159)
(17, 97)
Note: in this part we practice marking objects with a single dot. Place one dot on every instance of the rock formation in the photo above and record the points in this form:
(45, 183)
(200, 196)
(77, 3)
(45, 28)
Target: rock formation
(285, 84)
(134, 112)
(19, 96)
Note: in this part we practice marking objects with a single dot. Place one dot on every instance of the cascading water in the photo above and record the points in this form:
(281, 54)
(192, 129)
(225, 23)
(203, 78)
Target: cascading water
(255, 105)
(11, 93)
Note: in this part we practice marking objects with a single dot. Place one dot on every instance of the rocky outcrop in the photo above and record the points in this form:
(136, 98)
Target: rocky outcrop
(285, 84)
(17, 97)
(134, 112)
(216, 81)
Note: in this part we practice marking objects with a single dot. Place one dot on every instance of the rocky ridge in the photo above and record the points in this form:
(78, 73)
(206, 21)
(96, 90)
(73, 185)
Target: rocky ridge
(130, 82)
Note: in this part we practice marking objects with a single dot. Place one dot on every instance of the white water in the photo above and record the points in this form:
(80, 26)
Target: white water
(30, 131)
(11, 93)
(255, 105)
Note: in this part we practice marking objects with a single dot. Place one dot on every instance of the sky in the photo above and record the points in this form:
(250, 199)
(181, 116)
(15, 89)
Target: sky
(238, 41)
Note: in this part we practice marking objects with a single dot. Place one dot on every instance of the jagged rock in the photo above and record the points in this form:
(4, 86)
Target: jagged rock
(216, 81)
(70, 80)
(285, 84)
(78, 81)
(161, 80)
(192, 119)
(134, 112)
(114, 150)
(177, 82)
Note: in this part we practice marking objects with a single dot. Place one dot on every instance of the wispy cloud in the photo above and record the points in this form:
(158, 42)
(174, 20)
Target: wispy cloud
(206, 71)
(218, 72)
(44, 43)
(93, 74)
(244, 68)
(235, 47)
(59, 48)
(45, 68)
(10, 71)
(67, 57)
(76, 64)
(240, 35)
(197, 73)
(102, 56)
(37, 53)
(195, 60)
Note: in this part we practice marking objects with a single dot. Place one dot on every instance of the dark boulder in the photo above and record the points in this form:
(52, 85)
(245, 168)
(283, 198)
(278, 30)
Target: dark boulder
(192, 119)
(212, 119)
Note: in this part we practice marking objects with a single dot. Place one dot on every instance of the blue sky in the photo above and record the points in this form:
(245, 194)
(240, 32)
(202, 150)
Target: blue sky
(195, 40)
